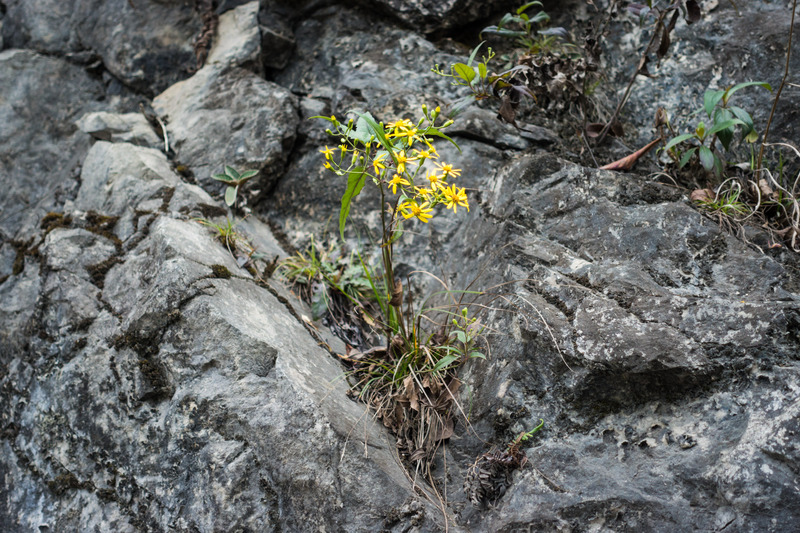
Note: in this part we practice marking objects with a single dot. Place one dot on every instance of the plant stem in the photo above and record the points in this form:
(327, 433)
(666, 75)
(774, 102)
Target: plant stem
(777, 93)
(642, 61)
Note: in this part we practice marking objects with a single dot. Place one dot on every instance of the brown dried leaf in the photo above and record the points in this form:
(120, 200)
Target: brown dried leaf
(626, 163)
(702, 195)
(594, 129)
(766, 190)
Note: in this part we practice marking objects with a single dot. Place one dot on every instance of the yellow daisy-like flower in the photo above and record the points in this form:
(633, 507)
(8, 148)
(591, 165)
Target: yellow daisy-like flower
(327, 166)
(411, 209)
(395, 181)
(398, 126)
(327, 151)
(430, 153)
(436, 180)
(378, 165)
(454, 197)
(343, 148)
(427, 194)
(448, 170)
(402, 159)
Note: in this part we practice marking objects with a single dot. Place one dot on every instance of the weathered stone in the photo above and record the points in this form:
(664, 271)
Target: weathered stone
(226, 115)
(129, 127)
(40, 148)
(146, 43)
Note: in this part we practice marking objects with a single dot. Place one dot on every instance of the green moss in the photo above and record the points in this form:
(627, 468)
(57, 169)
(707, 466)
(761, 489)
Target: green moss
(54, 220)
(220, 271)
(98, 271)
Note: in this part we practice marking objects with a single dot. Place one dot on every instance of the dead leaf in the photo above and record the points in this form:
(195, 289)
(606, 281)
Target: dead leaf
(766, 190)
(626, 163)
(702, 195)
(594, 129)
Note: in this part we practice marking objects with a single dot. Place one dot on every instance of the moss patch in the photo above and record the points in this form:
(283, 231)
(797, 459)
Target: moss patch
(220, 271)
(97, 272)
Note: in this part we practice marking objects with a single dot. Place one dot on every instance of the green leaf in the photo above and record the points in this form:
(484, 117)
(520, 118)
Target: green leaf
(361, 132)
(247, 174)
(222, 177)
(477, 354)
(752, 136)
(355, 182)
(445, 361)
(474, 53)
(437, 133)
(725, 135)
(700, 131)
(460, 335)
(711, 99)
(465, 72)
(686, 157)
(706, 158)
(526, 6)
(230, 171)
(679, 139)
(504, 32)
(719, 126)
(380, 135)
(735, 88)
(230, 195)
(482, 72)
(748, 128)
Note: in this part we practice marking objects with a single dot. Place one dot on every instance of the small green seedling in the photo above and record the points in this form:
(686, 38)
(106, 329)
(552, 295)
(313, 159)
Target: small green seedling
(234, 180)
(724, 118)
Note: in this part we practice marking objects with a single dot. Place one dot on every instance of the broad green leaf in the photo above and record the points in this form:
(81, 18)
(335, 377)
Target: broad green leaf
(222, 177)
(355, 182)
(724, 135)
(706, 158)
(230, 171)
(686, 157)
(247, 174)
(679, 139)
(476, 354)
(710, 101)
(739, 86)
(460, 335)
(230, 195)
(752, 136)
(482, 72)
(445, 361)
(748, 128)
(380, 135)
(361, 132)
(465, 72)
(541, 18)
(719, 126)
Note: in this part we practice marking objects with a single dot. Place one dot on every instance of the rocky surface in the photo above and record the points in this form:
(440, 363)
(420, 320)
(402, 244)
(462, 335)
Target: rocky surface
(152, 380)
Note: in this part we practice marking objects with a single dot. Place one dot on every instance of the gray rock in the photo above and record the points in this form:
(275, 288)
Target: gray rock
(427, 17)
(129, 127)
(146, 43)
(39, 163)
(226, 115)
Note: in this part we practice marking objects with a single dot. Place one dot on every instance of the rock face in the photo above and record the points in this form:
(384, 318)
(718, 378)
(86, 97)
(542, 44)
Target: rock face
(153, 378)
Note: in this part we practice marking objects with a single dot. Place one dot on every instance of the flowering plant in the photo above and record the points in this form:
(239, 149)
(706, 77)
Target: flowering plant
(401, 160)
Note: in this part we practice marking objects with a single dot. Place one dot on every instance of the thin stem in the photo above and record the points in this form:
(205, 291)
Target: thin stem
(778, 92)
(642, 61)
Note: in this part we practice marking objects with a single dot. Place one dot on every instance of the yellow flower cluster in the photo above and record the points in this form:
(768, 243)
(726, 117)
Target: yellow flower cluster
(396, 161)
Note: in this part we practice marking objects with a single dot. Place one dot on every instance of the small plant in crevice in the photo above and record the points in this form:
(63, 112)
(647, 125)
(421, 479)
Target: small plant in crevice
(337, 285)
(701, 144)
(234, 180)
(410, 377)
(491, 474)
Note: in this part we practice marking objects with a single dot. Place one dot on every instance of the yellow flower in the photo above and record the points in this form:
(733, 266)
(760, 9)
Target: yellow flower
(395, 181)
(436, 180)
(448, 170)
(427, 194)
(411, 209)
(455, 197)
(399, 125)
(343, 148)
(430, 153)
(327, 166)
(402, 159)
(327, 151)
(378, 165)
